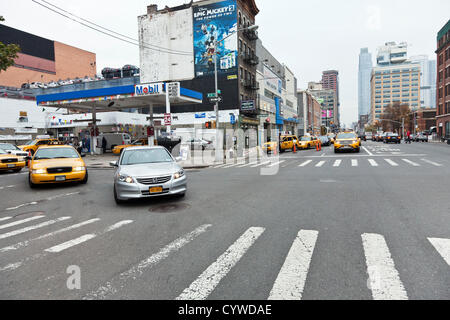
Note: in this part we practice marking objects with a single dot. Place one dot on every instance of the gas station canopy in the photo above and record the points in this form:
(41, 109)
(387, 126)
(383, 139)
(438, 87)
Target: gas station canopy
(122, 97)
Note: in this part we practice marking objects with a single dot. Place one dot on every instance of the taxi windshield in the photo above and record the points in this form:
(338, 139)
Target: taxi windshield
(56, 153)
(346, 136)
(306, 138)
(135, 157)
(31, 143)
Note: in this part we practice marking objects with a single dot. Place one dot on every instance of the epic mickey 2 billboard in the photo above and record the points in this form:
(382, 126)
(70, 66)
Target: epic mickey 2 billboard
(213, 22)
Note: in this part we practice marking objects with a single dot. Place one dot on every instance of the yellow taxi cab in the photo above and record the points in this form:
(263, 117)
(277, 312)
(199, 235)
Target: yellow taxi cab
(307, 142)
(9, 162)
(56, 164)
(288, 142)
(138, 143)
(347, 141)
(33, 145)
(270, 147)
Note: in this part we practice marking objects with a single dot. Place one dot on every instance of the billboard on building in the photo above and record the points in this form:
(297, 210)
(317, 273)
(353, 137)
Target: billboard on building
(273, 81)
(215, 21)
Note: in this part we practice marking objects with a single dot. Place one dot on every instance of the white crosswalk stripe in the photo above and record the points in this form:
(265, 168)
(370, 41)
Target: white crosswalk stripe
(337, 163)
(219, 166)
(5, 218)
(411, 163)
(31, 228)
(373, 163)
(261, 164)
(276, 163)
(16, 223)
(233, 165)
(113, 286)
(392, 163)
(72, 243)
(443, 247)
(320, 164)
(205, 284)
(48, 235)
(248, 164)
(432, 163)
(291, 280)
(354, 163)
(384, 279)
(304, 164)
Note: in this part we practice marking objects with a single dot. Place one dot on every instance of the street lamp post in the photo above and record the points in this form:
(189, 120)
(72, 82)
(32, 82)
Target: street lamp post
(219, 156)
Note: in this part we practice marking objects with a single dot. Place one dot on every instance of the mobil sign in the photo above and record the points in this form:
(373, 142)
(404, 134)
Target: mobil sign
(149, 89)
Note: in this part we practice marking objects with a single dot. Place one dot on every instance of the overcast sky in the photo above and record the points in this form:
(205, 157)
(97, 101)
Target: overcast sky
(308, 36)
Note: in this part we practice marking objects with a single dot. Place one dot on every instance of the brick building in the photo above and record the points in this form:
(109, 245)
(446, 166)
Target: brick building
(421, 120)
(44, 60)
(443, 82)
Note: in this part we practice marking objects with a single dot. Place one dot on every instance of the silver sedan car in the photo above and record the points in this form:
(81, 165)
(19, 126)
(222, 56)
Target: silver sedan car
(145, 172)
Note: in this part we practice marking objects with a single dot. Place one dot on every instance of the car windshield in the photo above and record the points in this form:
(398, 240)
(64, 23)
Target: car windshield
(3, 152)
(134, 157)
(8, 146)
(31, 143)
(56, 153)
(306, 138)
(346, 136)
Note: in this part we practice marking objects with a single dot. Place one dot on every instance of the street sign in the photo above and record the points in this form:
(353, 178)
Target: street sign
(167, 119)
(214, 100)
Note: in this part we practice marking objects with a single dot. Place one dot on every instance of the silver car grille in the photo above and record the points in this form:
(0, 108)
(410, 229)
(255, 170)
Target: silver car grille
(153, 181)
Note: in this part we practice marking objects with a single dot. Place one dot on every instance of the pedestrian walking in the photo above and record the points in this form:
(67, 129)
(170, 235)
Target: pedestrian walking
(104, 143)
(408, 137)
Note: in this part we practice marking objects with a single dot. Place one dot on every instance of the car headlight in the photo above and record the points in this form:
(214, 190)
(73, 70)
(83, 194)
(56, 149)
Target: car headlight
(39, 171)
(178, 175)
(79, 169)
(126, 179)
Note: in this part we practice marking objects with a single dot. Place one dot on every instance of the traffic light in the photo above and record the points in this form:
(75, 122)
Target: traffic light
(214, 125)
(208, 125)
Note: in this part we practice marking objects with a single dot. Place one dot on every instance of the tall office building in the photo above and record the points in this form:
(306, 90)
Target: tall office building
(330, 81)
(396, 83)
(428, 81)
(392, 53)
(364, 75)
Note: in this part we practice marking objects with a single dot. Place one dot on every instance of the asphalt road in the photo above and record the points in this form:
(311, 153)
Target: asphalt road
(311, 225)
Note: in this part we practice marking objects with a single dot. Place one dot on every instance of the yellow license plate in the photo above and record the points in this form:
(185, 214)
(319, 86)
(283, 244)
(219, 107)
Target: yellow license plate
(156, 190)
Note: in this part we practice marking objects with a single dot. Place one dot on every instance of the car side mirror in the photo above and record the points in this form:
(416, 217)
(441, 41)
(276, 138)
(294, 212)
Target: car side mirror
(114, 164)
(83, 155)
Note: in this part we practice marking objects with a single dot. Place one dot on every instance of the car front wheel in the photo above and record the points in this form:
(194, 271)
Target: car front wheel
(86, 178)
(30, 183)
(118, 201)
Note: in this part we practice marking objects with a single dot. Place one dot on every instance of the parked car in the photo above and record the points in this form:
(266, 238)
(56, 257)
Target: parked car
(146, 172)
(198, 144)
(392, 138)
(113, 140)
(119, 149)
(9, 162)
(168, 141)
(52, 84)
(307, 142)
(421, 138)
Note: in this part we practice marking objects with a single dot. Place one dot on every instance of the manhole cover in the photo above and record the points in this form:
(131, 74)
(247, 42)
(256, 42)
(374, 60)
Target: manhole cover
(168, 208)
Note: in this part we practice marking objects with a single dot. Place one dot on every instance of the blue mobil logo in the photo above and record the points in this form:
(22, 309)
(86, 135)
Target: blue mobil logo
(149, 89)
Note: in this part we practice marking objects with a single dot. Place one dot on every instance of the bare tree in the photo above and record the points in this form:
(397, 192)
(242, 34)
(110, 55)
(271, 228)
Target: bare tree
(393, 115)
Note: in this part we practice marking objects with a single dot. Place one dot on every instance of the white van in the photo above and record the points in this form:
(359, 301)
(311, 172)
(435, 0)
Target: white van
(113, 140)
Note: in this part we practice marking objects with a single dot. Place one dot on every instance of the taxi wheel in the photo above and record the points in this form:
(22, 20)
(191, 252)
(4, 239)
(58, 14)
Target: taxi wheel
(86, 178)
(30, 183)
(17, 170)
(358, 150)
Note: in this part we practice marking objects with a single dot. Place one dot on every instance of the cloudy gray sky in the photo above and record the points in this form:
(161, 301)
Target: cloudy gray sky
(308, 36)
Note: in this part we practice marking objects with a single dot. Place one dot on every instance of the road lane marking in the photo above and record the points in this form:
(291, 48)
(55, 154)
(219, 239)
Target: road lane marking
(373, 163)
(248, 164)
(384, 279)
(219, 166)
(443, 247)
(370, 153)
(276, 163)
(291, 280)
(5, 218)
(205, 284)
(337, 163)
(115, 285)
(304, 164)
(72, 243)
(320, 164)
(261, 164)
(48, 235)
(432, 163)
(21, 206)
(31, 228)
(392, 163)
(16, 223)
(411, 163)
(7, 187)
(354, 163)
(232, 165)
